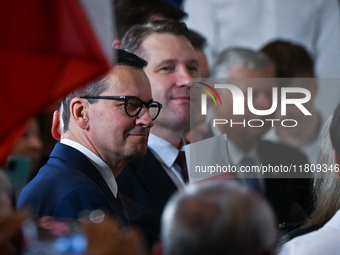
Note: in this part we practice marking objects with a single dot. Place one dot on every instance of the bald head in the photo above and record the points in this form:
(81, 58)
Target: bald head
(217, 217)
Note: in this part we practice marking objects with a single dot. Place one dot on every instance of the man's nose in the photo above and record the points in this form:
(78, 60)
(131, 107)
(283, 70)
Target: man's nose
(263, 101)
(144, 118)
(36, 143)
(183, 77)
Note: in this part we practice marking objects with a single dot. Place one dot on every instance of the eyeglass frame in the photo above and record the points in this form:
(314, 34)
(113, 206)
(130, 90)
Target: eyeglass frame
(126, 98)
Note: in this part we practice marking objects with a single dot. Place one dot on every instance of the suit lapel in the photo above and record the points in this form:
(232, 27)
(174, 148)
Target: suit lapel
(154, 178)
(81, 162)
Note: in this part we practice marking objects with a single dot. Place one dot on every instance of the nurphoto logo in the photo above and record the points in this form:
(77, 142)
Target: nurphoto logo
(204, 97)
(238, 103)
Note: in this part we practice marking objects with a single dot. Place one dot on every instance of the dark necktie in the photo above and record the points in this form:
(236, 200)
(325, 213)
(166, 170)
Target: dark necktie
(180, 160)
(122, 206)
(251, 179)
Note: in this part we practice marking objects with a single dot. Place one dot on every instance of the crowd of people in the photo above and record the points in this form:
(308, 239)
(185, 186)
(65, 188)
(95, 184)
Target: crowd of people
(119, 169)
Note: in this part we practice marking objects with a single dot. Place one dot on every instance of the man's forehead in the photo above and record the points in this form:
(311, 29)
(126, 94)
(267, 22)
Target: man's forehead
(245, 72)
(257, 84)
(174, 61)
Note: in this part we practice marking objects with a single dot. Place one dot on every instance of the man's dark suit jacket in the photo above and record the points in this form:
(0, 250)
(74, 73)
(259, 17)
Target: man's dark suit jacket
(146, 182)
(286, 194)
(67, 185)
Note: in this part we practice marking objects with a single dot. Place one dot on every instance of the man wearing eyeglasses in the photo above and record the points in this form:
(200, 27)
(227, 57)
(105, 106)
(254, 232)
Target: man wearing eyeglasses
(172, 62)
(105, 125)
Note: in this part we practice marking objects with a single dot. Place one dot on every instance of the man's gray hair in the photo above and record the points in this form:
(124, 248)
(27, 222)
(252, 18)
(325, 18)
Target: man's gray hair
(93, 89)
(217, 217)
(134, 37)
(240, 58)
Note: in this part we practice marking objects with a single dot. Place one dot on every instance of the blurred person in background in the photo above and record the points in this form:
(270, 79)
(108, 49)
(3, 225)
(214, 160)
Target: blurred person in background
(10, 227)
(7, 202)
(290, 197)
(293, 61)
(10, 220)
(30, 145)
(217, 217)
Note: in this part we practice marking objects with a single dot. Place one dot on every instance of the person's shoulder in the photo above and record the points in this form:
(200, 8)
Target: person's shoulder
(52, 182)
(301, 231)
(315, 242)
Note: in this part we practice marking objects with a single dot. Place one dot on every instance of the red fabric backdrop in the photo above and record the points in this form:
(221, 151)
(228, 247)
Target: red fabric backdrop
(47, 49)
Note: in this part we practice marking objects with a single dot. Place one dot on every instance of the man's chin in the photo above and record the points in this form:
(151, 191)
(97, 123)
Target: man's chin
(140, 150)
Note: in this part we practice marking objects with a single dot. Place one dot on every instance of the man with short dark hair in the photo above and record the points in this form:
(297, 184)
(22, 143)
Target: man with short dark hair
(105, 125)
(172, 62)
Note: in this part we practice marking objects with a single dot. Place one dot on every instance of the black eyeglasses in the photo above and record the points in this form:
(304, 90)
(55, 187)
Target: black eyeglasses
(133, 105)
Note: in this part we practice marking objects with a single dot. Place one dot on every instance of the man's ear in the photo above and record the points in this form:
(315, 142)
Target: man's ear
(78, 112)
(55, 130)
(157, 248)
(116, 44)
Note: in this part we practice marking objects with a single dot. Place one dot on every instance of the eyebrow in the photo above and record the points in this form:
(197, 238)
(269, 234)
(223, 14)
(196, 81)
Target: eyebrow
(166, 61)
(194, 61)
(140, 98)
(172, 61)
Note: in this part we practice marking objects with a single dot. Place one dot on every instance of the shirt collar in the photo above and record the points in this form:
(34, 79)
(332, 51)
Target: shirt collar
(165, 150)
(101, 166)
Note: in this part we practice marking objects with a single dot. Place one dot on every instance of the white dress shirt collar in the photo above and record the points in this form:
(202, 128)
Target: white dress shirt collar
(101, 166)
(166, 154)
(165, 150)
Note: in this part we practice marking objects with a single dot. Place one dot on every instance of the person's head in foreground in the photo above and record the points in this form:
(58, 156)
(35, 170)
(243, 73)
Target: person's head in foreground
(217, 217)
